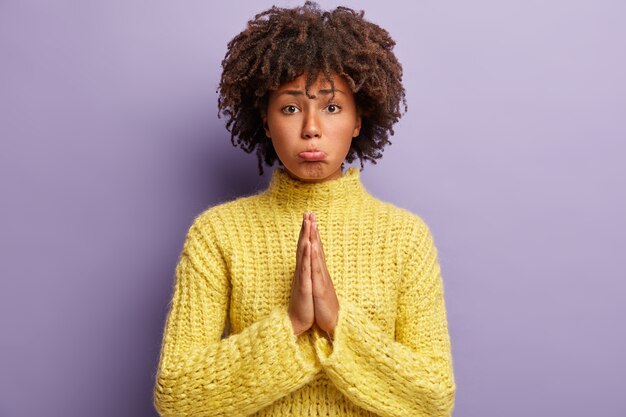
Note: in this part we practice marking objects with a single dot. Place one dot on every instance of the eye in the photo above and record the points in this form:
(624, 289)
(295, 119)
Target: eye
(290, 109)
(333, 108)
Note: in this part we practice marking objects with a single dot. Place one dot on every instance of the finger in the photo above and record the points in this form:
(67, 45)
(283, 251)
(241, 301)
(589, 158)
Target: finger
(318, 239)
(314, 223)
(303, 236)
(302, 239)
(306, 267)
(308, 227)
(317, 262)
(302, 226)
(317, 273)
(313, 231)
(301, 268)
(304, 231)
(320, 269)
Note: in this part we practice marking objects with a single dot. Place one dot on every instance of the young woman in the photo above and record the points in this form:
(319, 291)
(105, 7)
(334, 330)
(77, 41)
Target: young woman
(334, 297)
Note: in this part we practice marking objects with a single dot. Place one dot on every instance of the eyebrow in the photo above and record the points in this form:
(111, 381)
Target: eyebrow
(300, 92)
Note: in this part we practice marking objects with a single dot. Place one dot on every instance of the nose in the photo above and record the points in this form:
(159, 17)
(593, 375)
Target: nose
(311, 127)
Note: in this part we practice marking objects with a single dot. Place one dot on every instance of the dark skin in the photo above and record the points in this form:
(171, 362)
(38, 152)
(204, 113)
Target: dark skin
(313, 298)
(282, 43)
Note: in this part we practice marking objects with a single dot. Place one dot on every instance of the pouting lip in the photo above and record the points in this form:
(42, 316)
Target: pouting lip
(321, 155)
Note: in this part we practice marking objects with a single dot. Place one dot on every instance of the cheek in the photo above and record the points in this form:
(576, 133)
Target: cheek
(341, 129)
(284, 134)
(283, 126)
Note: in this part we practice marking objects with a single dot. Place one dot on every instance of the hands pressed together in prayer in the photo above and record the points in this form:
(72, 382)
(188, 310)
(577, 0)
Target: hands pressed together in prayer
(313, 298)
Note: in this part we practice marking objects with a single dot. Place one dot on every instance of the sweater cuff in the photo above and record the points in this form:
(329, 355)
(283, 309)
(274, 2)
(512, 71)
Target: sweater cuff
(325, 349)
(301, 346)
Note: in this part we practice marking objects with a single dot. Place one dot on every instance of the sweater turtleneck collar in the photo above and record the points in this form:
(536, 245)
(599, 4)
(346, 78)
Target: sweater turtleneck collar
(292, 193)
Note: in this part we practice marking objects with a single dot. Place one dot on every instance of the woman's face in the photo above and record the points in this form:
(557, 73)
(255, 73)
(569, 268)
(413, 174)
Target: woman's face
(325, 125)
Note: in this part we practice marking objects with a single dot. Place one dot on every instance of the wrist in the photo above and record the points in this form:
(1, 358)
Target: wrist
(296, 327)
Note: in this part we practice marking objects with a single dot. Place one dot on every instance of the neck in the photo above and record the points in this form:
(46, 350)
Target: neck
(294, 194)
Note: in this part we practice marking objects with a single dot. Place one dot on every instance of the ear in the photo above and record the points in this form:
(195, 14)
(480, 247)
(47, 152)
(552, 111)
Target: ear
(265, 125)
(357, 126)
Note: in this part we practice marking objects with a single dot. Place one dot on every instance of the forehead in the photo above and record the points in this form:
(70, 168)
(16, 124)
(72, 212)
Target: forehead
(319, 84)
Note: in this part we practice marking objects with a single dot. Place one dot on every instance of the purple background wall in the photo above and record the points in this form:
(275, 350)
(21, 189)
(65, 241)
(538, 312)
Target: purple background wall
(512, 150)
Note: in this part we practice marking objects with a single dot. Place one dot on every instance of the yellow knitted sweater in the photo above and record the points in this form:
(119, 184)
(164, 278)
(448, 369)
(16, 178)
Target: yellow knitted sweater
(390, 354)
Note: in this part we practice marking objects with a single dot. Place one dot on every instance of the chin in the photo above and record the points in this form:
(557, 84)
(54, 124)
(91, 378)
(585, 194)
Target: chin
(313, 171)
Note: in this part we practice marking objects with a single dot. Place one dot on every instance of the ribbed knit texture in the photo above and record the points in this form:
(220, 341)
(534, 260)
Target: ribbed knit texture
(390, 354)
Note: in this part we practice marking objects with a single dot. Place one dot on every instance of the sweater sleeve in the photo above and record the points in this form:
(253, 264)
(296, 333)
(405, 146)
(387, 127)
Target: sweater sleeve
(202, 374)
(411, 375)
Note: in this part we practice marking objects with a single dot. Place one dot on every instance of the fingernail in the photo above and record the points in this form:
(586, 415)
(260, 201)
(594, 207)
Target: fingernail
(313, 216)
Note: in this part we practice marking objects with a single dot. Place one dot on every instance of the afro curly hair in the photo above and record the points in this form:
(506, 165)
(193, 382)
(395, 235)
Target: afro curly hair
(280, 44)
